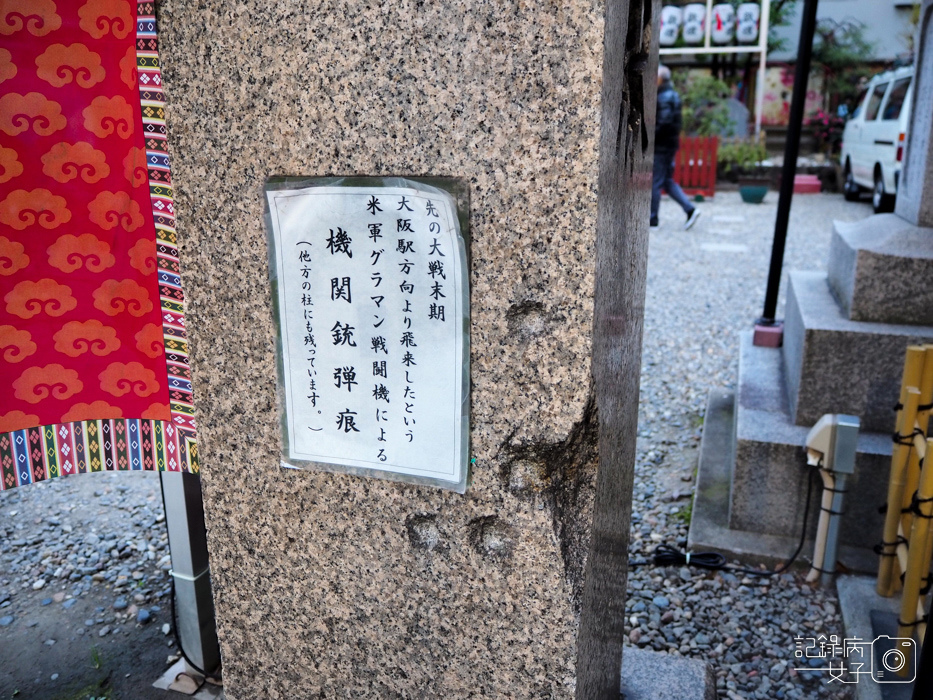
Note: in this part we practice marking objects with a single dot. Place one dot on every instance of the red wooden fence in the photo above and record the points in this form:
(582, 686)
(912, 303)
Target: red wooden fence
(695, 167)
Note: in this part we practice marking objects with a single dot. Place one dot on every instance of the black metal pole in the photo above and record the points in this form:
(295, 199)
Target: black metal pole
(923, 685)
(791, 149)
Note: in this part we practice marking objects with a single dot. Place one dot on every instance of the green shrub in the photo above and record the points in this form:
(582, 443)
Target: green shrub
(741, 155)
(704, 106)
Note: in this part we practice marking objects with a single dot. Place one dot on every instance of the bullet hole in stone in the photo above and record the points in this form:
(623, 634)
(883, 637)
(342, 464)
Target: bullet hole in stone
(491, 537)
(526, 319)
(524, 476)
(423, 532)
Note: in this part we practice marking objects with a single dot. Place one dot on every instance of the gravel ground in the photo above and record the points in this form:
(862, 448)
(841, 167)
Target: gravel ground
(705, 286)
(84, 561)
(84, 589)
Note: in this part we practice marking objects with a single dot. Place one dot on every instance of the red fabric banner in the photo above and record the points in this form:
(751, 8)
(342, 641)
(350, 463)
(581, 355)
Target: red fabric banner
(81, 333)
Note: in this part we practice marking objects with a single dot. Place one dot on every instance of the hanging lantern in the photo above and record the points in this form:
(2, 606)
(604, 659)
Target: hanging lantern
(694, 23)
(671, 19)
(722, 23)
(746, 22)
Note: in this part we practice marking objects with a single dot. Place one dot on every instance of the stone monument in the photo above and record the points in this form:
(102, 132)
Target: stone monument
(845, 337)
(332, 585)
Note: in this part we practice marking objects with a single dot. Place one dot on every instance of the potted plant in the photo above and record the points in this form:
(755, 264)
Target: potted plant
(741, 160)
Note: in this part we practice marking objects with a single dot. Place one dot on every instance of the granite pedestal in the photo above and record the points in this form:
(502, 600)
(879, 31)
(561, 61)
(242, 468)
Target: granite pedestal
(710, 529)
(837, 365)
(769, 482)
(828, 363)
(753, 467)
(880, 270)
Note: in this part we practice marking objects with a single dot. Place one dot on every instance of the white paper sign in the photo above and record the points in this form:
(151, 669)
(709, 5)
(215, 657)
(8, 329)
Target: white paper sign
(372, 300)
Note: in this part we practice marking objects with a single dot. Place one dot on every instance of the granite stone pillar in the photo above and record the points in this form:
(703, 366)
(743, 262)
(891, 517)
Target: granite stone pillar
(879, 269)
(331, 585)
(913, 192)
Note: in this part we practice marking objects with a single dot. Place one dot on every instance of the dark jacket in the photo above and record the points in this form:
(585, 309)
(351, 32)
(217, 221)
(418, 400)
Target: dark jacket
(668, 121)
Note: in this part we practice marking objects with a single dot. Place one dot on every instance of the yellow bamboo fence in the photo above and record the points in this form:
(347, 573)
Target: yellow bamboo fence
(907, 545)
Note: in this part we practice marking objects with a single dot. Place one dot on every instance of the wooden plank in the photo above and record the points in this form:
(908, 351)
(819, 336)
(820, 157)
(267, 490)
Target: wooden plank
(695, 165)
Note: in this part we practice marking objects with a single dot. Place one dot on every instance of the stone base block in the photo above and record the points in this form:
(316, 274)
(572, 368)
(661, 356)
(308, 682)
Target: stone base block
(836, 365)
(709, 526)
(652, 675)
(880, 270)
(770, 478)
(866, 616)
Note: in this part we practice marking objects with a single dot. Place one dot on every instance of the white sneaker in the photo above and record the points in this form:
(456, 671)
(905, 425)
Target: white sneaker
(692, 219)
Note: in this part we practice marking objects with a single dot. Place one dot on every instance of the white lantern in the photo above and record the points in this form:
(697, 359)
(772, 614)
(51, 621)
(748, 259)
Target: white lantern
(671, 19)
(694, 23)
(748, 12)
(747, 18)
(694, 12)
(722, 23)
(693, 32)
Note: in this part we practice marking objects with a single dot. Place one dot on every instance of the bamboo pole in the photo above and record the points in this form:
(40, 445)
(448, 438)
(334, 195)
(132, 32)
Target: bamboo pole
(926, 390)
(921, 448)
(916, 550)
(888, 571)
(902, 562)
(923, 421)
(912, 480)
(907, 416)
(901, 557)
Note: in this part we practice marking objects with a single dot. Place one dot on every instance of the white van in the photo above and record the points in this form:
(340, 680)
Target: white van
(873, 139)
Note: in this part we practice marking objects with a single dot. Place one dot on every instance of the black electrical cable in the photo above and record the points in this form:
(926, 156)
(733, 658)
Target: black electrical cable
(174, 611)
(665, 555)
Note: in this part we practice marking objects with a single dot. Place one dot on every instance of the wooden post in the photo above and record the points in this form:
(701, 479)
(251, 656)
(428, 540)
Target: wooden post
(629, 95)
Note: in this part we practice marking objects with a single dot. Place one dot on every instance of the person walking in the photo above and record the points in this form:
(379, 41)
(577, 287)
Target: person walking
(666, 142)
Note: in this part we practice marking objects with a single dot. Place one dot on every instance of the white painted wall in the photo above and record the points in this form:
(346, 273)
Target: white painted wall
(886, 24)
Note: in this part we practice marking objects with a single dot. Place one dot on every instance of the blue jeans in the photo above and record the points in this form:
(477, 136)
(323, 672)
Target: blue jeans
(664, 177)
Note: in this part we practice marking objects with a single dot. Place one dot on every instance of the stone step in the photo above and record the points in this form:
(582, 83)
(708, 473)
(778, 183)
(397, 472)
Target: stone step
(769, 482)
(752, 480)
(653, 675)
(868, 617)
(837, 365)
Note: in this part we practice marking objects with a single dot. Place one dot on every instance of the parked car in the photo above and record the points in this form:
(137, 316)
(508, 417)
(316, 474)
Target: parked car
(873, 139)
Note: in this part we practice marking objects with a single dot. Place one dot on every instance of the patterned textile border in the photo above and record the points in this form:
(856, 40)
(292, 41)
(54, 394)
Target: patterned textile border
(122, 444)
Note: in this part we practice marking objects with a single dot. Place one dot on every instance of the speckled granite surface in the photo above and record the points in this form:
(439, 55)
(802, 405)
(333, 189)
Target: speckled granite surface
(335, 586)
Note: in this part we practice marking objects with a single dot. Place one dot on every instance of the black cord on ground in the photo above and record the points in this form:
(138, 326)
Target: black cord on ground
(666, 555)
